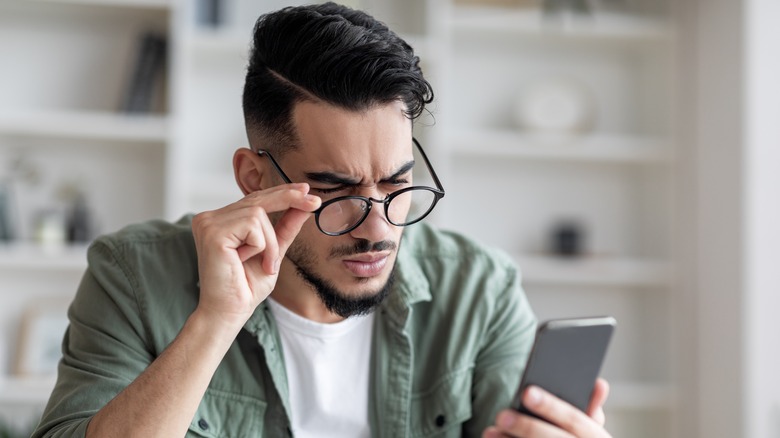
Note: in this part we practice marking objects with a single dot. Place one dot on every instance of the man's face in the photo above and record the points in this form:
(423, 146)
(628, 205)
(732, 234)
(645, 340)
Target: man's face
(345, 153)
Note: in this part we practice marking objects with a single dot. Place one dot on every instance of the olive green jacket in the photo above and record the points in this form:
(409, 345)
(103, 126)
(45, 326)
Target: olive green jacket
(449, 342)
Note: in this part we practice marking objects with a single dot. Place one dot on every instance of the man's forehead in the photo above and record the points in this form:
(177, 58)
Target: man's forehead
(360, 165)
(377, 140)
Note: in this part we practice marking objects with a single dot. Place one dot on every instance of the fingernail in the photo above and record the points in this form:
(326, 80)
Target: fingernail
(310, 198)
(533, 396)
(490, 433)
(277, 264)
(506, 420)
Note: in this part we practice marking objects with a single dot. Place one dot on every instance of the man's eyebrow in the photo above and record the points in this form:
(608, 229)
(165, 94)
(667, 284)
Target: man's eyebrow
(336, 179)
(331, 178)
(401, 170)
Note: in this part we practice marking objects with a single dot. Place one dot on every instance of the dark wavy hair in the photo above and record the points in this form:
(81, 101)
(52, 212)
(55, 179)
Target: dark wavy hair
(328, 53)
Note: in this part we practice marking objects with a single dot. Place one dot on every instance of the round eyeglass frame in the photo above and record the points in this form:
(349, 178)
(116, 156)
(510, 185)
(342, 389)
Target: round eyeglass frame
(438, 194)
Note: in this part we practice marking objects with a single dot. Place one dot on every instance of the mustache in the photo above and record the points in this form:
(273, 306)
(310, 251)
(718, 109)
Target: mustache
(363, 246)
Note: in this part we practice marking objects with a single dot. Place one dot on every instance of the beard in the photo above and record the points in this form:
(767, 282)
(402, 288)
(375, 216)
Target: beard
(335, 300)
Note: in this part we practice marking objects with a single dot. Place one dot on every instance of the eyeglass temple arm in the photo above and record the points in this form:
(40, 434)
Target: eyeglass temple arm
(430, 168)
(276, 165)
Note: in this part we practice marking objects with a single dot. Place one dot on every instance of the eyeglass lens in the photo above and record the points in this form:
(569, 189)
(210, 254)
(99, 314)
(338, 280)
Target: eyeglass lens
(402, 209)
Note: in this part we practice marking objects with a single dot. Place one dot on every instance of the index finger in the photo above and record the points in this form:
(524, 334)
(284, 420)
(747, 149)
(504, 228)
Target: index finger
(560, 413)
(283, 197)
(597, 400)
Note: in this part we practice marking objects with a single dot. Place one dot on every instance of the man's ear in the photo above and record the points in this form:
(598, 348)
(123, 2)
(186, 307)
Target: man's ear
(248, 170)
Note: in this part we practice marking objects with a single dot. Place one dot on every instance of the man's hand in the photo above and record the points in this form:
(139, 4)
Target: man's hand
(567, 420)
(239, 250)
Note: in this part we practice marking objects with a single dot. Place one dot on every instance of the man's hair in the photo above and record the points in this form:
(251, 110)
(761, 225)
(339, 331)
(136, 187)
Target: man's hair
(325, 53)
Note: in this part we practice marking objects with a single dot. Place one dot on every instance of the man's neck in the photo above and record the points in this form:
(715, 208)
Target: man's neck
(298, 296)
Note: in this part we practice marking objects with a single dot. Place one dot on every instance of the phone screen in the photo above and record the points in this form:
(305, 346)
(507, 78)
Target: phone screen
(566, 359)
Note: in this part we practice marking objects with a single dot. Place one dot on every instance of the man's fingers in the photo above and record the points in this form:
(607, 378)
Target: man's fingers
(512, 423)
(597, 400)
(562, 414)
(281, 198)
(261, 238)
(288, 227)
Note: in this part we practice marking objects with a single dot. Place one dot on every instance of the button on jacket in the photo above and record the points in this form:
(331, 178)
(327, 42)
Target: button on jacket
(449, 342)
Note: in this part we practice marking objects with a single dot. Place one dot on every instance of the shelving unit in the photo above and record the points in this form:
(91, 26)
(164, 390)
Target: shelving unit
(91, 125)
(36, 257)
(508, 186)
(60, 117)
(595, 148)
(607, 272)
(598, 28)
(505, 186)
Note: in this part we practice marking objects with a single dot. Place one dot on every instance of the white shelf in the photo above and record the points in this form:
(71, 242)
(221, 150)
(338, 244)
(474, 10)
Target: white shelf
(640, 396)
(24, 256)
(96, 125)
(226, 40)
(26, 390)
(219, 40)
(593, 271)
(598, 26)
(590, 147)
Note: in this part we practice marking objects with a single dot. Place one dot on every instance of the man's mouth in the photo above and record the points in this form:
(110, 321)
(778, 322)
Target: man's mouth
(366, 264)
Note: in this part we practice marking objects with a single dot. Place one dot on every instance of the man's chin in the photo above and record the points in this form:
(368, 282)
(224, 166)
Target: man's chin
(359, 298)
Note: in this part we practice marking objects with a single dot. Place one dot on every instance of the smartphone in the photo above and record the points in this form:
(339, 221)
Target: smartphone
(566, 359)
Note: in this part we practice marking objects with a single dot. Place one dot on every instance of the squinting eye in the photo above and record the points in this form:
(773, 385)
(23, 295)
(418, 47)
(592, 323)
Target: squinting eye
(327, 191)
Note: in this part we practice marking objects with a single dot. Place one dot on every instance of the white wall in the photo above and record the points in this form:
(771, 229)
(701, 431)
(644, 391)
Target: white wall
(731, 355)
(718, 221)
(762, 219)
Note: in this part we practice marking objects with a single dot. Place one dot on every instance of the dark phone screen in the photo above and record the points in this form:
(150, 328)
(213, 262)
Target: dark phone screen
(566, 359)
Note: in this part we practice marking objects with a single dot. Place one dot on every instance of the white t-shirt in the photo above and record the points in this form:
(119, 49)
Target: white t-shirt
(327, 373)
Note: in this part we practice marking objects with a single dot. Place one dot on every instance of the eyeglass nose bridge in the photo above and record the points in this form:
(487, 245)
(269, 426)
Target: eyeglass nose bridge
(369, 202)
(366, 205)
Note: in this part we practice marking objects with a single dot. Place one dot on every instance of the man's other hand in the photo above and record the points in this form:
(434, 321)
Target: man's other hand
(567, 421)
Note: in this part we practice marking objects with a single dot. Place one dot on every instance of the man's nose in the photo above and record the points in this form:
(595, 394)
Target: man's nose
(375, 227)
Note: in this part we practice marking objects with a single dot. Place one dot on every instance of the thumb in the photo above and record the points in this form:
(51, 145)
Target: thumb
(597, 400)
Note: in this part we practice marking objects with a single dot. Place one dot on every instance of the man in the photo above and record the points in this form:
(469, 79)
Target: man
(263, 319)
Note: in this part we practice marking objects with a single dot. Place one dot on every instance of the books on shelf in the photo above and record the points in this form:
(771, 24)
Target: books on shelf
(147, 74)
(209, 12)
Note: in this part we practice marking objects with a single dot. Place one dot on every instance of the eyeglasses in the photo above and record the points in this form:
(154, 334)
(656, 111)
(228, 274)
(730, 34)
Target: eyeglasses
(403, 207)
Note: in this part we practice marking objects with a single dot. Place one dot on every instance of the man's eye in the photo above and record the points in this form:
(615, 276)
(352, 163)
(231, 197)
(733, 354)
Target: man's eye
(399, 182)
(327, 191)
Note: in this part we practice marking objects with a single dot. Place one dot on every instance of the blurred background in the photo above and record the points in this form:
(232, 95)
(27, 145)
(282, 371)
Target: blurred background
(625, 152)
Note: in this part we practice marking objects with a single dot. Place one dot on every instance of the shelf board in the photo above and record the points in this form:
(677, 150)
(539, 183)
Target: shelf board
(593, 271)
(640, 396)
(24, 256)
(219, 40)
(225, 40)
(532, 22)
(588, 147)
(77, 124)
(26, 390)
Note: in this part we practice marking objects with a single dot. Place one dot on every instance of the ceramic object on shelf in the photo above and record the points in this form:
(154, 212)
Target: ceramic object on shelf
(555, 105)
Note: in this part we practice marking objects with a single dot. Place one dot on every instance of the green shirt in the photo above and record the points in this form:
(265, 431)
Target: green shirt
(449, 342)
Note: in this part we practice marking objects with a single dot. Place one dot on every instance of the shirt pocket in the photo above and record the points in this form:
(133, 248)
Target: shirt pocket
(223, 414)
(441, 409)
